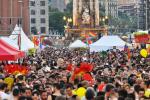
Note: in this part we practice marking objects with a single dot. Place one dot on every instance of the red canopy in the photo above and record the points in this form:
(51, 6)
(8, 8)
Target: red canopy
(7, 52)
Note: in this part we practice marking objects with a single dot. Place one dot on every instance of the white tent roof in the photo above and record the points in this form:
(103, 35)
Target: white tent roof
(10, 42)
(26, 43)
(108, 42)
(78, 44)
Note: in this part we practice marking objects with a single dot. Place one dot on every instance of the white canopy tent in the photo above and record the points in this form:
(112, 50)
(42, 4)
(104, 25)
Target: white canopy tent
(26, 43)
(108, 42)
(10, 42)
(78, 44)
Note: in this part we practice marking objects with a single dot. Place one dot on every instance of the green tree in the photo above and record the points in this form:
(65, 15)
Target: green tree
(56, 21)
(69, 8)
(56, 17)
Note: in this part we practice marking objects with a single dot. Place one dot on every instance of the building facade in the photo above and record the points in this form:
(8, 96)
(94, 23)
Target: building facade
(39, 16)
(126, 2)
(111, 7)
(143, 14)
(129, 9)
(14, 12)
(58, 4)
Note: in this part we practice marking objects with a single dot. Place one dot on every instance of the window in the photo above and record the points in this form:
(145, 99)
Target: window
(42, 3)
(32, 3)
(42, 12)
(33, 30)
(42, 20)
(43, 29)
(32, 12)
(33, 21)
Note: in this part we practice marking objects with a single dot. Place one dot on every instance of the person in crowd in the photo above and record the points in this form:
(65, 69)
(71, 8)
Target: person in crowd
(115, 76)
(3, 95)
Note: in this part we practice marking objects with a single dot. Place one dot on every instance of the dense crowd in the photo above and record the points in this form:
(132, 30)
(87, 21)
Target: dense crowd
(115, 76)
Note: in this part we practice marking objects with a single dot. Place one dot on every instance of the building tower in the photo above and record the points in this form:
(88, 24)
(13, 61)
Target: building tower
(85, 13)
(39, 16)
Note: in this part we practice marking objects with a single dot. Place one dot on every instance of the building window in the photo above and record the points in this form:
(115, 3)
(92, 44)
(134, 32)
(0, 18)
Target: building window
(32, 12)
(32, 3)
(33, 21)
(42, 12)
(43, 29)
(42, 3)
(42, 20)
(33, 30)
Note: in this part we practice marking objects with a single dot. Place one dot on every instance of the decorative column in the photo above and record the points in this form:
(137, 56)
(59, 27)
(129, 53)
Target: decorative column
(96, 12)
(75, 12)
(80, 3)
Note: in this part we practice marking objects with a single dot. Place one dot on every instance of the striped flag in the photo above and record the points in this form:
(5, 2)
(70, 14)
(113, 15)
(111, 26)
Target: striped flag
(35, 40)
(92, 34)
(127, 49)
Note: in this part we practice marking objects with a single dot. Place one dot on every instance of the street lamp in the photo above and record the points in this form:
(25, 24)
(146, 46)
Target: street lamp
(146, 15)
(64, 18)
(19, 35)
(104, 20)
(68, 21)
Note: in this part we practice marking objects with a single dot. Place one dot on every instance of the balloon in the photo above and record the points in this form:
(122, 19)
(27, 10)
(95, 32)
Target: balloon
(144, 53)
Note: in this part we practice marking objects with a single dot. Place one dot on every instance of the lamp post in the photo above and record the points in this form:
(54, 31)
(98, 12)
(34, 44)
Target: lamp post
(146, 15)
(104, 19)
(68, 20)
(19, 35)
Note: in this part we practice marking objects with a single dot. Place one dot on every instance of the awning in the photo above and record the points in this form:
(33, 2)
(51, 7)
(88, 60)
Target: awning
(9, 53)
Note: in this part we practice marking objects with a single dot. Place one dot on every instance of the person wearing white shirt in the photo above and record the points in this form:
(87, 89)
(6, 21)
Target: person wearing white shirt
(3, 95)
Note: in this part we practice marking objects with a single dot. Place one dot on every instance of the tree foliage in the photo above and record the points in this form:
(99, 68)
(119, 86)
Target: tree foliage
(56, 17)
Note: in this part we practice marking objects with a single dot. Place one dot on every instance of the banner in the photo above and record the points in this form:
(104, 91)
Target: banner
(143, 38)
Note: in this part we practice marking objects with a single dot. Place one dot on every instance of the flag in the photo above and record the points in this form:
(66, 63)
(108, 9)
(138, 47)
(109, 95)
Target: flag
(88, 39)
(89, 42)
(127, 49)
(35, 40)
(41, 41)
(92, 34)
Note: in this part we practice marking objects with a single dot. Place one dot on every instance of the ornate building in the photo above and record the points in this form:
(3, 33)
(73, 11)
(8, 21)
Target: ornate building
(85, 13)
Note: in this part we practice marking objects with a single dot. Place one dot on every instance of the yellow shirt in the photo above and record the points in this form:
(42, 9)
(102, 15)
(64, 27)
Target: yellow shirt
(80, 92)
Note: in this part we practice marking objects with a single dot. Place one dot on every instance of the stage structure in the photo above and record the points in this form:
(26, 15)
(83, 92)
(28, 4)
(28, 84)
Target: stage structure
(85, 18)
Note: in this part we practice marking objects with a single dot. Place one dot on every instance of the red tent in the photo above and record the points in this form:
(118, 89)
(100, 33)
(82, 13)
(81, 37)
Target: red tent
(7, 52)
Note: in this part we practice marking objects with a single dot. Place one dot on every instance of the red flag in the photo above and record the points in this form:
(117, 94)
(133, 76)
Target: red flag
(69, 67)
(129, 54)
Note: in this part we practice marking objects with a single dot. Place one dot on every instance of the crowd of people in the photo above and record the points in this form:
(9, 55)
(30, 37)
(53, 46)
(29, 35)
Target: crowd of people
(115, 76)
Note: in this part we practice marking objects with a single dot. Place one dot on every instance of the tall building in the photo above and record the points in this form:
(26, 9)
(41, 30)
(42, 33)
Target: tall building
(144, 13)
(58, 4)
(126, 2)
(129, 7)
(39, 16)
(14, 12)
(111, 7)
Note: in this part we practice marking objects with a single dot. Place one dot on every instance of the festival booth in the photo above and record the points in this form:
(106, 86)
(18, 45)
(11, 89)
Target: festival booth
(143, 37)
(25, 42)
(78, 44)
(9, 53)
(108, 42)
(10, 42)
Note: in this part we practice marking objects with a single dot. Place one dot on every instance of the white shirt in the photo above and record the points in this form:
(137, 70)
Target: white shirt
(4, 96)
